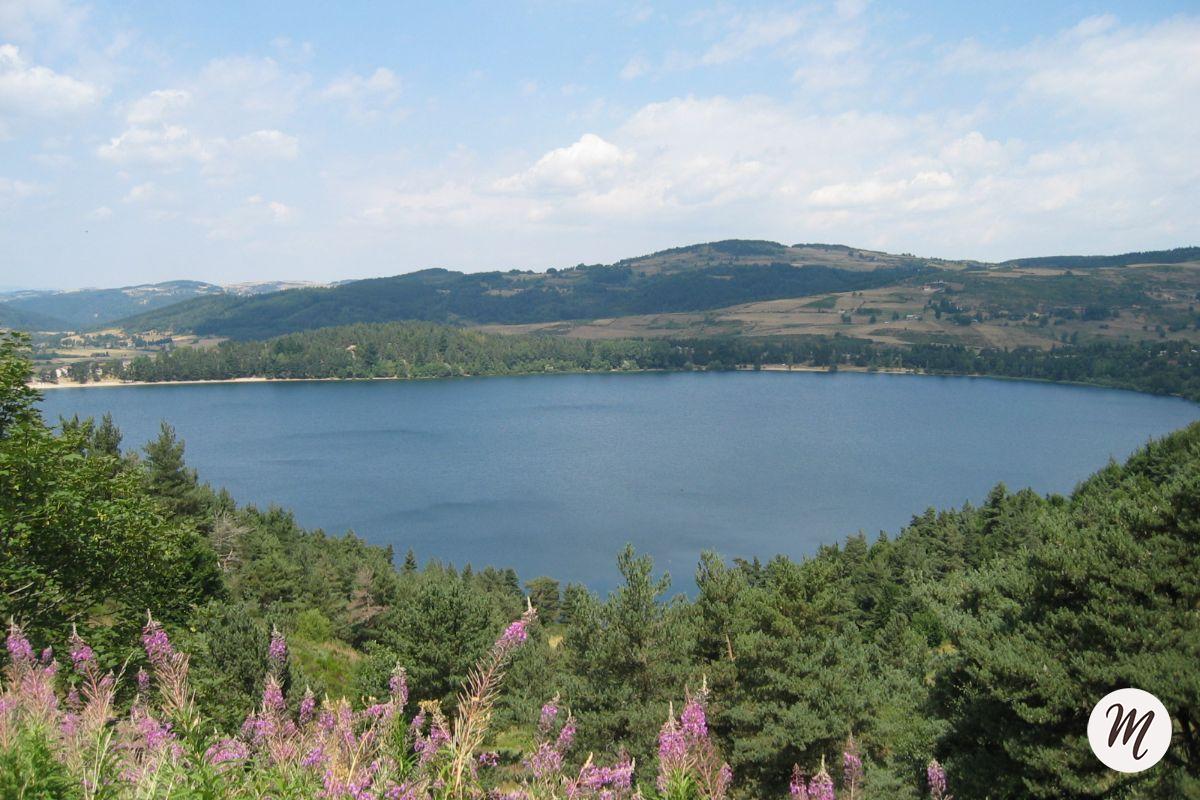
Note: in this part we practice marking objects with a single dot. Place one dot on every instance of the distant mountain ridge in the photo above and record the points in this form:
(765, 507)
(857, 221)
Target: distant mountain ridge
(78, 309)
(1177, 255)
(693, 278)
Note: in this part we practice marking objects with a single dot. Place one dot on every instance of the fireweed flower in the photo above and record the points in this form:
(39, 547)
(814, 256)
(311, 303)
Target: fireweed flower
(798, 788)
(308, 705)
(398, 686)
(513, 637)
(19, 649)
(158, 646)
(693, 720)
(566, 737)
(272, 697)
(821, 786)
(936, 774)
(672, 752)
(226, 751)
(852, 767)
(82, 656)
(277, 650)
(544, 761)
(549, 713)
(155, 735)
(489, 758)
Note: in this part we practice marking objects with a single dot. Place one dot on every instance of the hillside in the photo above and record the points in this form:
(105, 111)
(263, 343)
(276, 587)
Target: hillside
(1127, 298)
(87, 308)
(745, 287)
(693, 278)
(25, 320)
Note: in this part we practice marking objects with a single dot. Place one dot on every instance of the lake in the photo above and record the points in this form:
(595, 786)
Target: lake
(554, 474)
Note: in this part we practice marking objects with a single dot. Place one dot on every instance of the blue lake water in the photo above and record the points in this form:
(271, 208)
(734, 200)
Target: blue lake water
(554, 474)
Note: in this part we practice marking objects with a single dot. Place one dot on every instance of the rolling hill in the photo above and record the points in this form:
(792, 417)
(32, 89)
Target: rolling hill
(88, 308)
(695, 278)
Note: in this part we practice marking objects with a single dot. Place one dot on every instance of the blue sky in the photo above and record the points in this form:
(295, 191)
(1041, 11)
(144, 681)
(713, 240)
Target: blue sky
(223, 141)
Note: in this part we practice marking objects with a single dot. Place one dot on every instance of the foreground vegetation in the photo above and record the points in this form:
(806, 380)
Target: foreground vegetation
(424, 350)
(980, 637)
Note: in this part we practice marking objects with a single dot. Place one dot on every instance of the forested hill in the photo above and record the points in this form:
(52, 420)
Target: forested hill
(426, 350)
(685, 279)
(81, 309)
(1177, 255)
(981, 636)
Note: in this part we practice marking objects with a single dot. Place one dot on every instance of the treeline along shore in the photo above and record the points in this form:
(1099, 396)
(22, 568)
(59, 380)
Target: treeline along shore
(416, 350)
(958, 657)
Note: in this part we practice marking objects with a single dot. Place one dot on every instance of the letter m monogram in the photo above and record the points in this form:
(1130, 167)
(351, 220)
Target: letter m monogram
(1125, 725)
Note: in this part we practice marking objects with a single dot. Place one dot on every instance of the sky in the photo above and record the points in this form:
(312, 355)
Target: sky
(262, 140)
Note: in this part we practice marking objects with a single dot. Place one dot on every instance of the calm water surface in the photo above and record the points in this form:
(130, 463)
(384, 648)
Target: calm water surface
(554, 474)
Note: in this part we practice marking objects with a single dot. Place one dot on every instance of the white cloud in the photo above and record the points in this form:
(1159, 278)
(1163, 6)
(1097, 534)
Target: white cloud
(29, 20)
(258, 87)
(750, 32)
(143, 193)
(158, 106)
(266, 144)
(100, 214)
(12, 190)
(367, 94)
(1131, 71)
(164, 146)
(250, 217)
(635, 68)
(582, 164)
(26, 89)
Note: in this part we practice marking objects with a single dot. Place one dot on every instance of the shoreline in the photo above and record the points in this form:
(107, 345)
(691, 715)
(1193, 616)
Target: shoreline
(43, 385)
(803, 368)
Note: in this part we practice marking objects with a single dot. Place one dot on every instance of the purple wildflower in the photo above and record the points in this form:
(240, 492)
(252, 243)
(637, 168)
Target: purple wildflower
(277, 650)
(672, 746)
(566, 737)
(544, 761)
(307, 705)
(672, 752)
(821, 786)
(852, 767)
(513, 637)
(936, 775)
(549, 713)
(225, 751)
(313, 757)
(272, 697)
(596, 778)
(155, 735)
(404, 792)
(158, 646)
(398, 686)
(489, 758)
(724, 779)
(798, 788)
(143, 680)
(19, 649)
(693, 719)
(82, 656)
